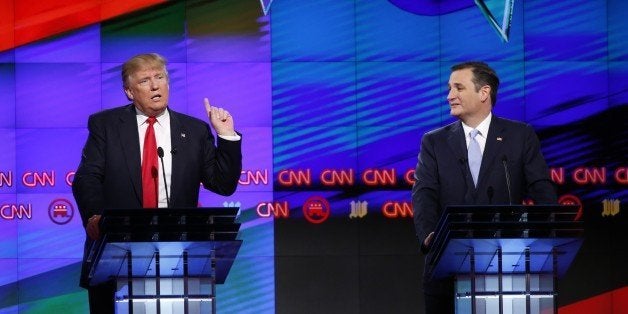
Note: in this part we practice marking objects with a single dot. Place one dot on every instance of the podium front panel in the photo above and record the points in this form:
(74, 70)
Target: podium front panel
(113, 262)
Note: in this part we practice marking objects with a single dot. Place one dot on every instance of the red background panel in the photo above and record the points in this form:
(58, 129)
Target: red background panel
(113, 8)
(30, 20)
(7, 40)
(613, 302)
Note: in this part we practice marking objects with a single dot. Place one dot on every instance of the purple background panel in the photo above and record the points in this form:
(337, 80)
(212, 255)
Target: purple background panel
(82, 45)
(257, 159)
(56, 95)
(36, 236)
(62, 150)
(8, 240)
(7, 95)
(8, 172)
(9, 271)
(243, 89)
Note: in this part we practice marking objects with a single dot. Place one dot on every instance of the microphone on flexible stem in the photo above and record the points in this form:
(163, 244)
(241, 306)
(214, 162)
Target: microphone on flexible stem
(507, 173)
(160, 153)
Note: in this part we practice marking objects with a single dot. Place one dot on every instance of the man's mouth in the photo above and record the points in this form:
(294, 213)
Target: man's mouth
(156, 97)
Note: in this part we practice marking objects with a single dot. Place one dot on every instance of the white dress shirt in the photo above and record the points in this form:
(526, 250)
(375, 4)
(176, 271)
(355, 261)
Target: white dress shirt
(481, 137)
(162, 136)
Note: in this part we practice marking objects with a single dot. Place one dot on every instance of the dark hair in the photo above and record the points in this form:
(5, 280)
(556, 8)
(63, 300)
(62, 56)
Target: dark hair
(482, 75)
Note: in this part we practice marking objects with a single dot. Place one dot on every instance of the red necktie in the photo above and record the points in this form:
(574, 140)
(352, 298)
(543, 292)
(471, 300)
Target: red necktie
(150, 177)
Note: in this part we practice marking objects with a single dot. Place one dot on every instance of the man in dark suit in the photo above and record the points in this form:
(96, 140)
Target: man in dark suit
(119, 168)
(467, 162)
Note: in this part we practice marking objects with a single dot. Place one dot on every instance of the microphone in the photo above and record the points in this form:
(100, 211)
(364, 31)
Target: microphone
(507, 173)
(489, 193)
(160, 153)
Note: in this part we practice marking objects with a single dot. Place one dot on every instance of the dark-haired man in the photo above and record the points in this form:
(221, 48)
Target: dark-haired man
(462, 164)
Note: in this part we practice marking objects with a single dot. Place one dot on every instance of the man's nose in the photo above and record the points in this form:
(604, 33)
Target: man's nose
(451, 95)
(154, 85)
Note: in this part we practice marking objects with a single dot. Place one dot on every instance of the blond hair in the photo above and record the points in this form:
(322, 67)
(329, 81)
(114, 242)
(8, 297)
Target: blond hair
(142, 61)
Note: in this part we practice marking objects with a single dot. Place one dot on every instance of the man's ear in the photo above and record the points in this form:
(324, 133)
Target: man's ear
(128, 93)
(485, 93)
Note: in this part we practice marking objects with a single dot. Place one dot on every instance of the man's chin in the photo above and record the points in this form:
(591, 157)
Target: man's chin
(454, 112)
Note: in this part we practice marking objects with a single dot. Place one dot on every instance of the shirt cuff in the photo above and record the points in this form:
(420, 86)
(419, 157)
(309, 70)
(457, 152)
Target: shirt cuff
(233, 138)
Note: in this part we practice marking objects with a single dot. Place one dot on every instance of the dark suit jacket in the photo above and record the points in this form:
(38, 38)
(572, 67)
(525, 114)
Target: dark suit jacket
(443, 177)
(109, 175)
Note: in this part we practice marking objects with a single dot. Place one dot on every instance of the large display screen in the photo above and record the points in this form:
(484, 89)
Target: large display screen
(332, 98)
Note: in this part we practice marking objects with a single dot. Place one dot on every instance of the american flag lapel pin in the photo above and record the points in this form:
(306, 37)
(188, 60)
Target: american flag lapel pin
(499, 138)
(183, 135)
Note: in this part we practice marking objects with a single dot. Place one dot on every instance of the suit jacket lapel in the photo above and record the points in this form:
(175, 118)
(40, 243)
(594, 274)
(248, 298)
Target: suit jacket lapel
(179, 137)
(494, 143)
(129, 138)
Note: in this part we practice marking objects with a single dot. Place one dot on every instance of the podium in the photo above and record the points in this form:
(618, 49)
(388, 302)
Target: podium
(165, 260)
(505, 258)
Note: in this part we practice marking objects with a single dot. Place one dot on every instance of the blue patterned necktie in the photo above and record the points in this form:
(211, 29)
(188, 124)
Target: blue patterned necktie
(475, 156)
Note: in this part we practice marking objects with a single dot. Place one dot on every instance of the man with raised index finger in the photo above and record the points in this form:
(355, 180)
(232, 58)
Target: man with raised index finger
(119, 167)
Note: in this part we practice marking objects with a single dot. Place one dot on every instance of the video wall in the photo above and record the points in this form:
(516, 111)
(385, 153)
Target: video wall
(332, 98)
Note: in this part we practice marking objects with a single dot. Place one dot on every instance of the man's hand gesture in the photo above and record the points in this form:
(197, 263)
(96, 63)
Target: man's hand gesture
(220, 119)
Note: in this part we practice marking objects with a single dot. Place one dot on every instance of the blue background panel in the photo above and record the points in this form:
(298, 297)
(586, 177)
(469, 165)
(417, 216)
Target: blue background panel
(375, 140)
(388, 33)
(564, 31)
(564, 92)
(314, 148)
(617, 83)
(398, 93)
(325, 30)
(617, 30)
(336, 85)
(313, 94)
(466, 35)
